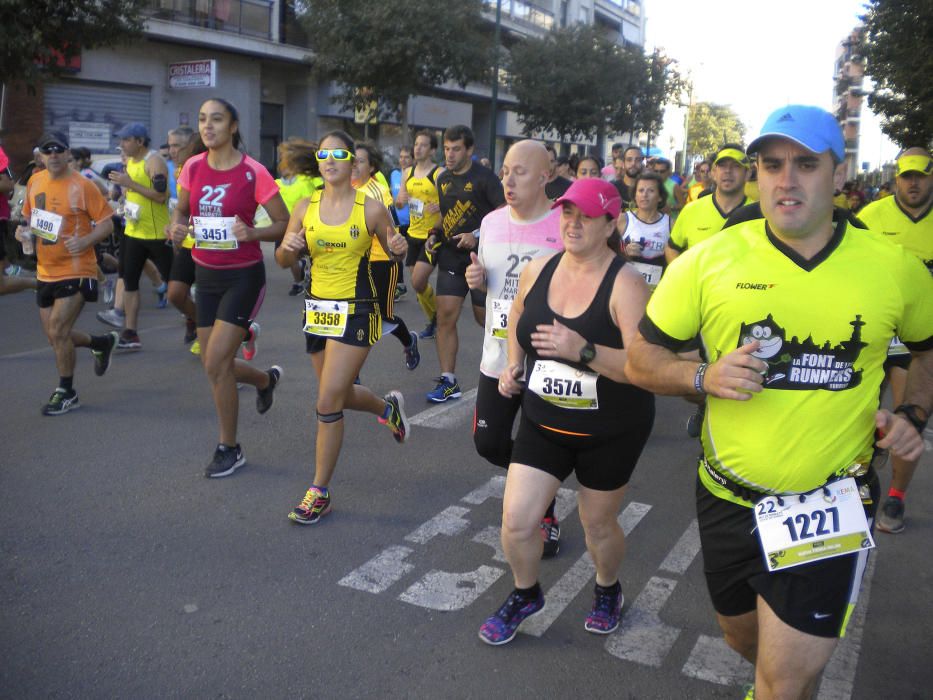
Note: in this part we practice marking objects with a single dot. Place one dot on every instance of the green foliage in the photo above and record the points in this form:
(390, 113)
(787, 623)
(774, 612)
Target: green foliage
(580, 83)
(710, 126)
(396, 48)
(35, 34)
(899, 49)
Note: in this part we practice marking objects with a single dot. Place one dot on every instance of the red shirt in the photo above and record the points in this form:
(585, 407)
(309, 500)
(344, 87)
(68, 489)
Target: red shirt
(227, 193)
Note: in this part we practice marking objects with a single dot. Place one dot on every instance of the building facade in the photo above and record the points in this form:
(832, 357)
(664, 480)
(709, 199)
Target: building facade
(848, 94)
(254, 53)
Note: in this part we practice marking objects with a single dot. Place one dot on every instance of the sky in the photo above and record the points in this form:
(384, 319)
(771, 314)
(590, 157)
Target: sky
(758, 55)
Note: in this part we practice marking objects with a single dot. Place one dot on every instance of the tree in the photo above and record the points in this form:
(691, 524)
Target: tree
(661, 84)
(712, 125)
(39, 37)
(578, 82)
(387, 51)
(899, 50)
(573, 81)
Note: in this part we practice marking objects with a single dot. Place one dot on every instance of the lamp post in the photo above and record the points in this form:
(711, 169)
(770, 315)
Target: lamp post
(494, 102)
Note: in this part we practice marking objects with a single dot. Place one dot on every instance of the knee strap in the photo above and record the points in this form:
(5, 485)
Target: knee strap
(329, 417)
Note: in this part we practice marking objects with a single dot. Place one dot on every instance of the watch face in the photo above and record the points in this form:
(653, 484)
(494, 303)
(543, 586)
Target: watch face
(587, 353)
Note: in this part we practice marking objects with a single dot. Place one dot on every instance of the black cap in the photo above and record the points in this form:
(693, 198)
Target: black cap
(53, 138)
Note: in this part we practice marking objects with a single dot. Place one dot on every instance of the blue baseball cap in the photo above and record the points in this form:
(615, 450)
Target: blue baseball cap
(133, 130)
(812, 127)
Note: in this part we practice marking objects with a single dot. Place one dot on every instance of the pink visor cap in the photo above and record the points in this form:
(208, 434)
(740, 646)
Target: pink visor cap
(594, 197)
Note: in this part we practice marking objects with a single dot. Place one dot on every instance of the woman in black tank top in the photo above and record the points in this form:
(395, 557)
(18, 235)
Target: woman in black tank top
(568, 329)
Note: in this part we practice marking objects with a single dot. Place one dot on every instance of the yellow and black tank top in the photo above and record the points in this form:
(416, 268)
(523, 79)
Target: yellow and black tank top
(376, 190)
(339, 253)
(144, 218)
(422, 191)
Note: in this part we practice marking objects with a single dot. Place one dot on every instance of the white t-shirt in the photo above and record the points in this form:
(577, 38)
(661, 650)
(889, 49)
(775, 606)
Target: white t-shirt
(505, 247)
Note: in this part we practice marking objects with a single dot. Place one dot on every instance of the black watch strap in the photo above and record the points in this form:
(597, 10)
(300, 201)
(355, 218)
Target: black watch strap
(911, 412)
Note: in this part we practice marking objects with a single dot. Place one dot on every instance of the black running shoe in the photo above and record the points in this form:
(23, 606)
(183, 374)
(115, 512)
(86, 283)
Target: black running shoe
(226, 461)
(550, 532)
(191, 331)
(265, 397)
(61, 402)
(102, 357)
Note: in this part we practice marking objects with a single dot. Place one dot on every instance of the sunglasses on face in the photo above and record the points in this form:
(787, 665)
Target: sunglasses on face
(335, 153)
(52, 149)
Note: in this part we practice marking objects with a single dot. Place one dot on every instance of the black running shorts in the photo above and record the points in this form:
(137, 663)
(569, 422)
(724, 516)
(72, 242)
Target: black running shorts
(182, 267)
(364, 328)
(451, 272)
(601, 463)
(385, 279)
(812, 598)
(133, 255)
(415, 251)
(493, 419)
(233, 295)
(48, 292)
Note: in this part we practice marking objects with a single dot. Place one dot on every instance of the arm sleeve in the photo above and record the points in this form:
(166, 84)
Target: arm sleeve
(674, 309)
(184, 179)
(266, 188)
(916, 330)
(678, 239)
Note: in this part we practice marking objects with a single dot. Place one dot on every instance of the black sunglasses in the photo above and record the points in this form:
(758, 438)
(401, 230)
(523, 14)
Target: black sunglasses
(52, 149)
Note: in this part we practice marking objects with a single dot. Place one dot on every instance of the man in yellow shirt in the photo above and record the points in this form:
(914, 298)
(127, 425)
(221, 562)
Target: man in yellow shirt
(146, 211)
(907, 218)
(796, 313)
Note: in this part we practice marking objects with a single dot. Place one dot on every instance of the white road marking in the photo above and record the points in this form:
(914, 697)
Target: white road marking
(839, 675)
(643, 637)
(713, 660)
(447, 414)
(492, 537)
(569, 585)
(444, 590)
(684, 552)
(494, 488)
(380, 572)
(448, 522)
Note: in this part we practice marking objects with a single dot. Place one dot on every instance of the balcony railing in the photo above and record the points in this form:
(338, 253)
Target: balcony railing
(247, 17)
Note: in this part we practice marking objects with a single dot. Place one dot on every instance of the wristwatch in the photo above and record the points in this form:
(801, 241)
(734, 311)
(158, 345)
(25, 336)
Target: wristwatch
(587, 353)
(912, 412)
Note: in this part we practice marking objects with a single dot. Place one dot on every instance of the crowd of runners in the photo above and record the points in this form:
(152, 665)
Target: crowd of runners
(749, 288)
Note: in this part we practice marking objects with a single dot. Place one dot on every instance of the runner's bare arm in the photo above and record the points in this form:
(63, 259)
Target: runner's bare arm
(294, 242)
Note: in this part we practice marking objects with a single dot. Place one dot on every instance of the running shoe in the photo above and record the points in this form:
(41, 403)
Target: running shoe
(129, 341)
(12, 270)
(314, 506)
(550, 531)
(296, 289)
(749, 691)
(265, 397)
(304, 264)
(891, 519)
(607, 610)
(502, 627)
(444, 390)
(430, 330)
(196, 347)
(109, 288)
(112, 317)
(396, 418)
(400, 291)
(61, 401)
(226, 461)
(695, 422)
(191, 331)
(162, 293)
(412, 356)
(249, 345)
(102, 357)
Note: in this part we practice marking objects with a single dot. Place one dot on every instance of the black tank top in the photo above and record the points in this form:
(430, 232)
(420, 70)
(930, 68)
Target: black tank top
(623, 408)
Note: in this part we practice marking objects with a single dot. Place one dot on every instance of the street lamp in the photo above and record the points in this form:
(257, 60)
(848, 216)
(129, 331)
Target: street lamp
(494, 102)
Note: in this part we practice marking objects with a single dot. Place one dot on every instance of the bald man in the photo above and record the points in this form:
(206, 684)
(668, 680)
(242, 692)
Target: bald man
(526, 228)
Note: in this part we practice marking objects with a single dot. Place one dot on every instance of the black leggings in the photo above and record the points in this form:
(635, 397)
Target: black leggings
(493, 418)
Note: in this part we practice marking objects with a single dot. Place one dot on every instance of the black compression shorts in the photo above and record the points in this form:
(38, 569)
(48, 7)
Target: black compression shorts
(233, 295)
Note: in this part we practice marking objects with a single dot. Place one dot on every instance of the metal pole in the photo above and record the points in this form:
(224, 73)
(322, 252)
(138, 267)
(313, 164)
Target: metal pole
(494, 102)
